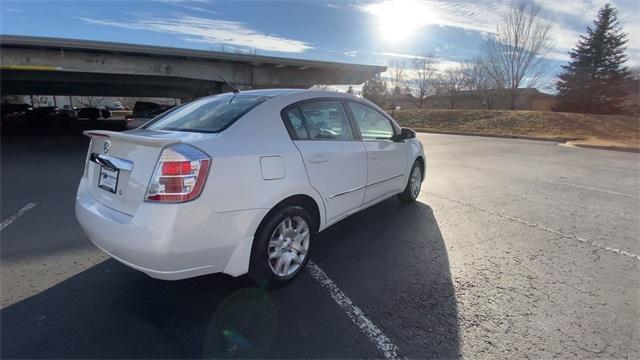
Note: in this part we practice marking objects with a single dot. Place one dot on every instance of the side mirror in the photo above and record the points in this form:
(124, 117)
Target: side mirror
(405, 133)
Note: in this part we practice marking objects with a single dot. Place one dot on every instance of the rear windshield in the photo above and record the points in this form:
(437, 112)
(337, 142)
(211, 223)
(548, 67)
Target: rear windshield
(211, 114)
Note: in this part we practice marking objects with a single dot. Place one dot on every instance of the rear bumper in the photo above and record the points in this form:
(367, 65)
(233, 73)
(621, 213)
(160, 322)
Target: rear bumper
(164, 275)
(171, 241)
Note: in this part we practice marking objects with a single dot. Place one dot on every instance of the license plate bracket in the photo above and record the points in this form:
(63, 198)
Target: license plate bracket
(108, 179)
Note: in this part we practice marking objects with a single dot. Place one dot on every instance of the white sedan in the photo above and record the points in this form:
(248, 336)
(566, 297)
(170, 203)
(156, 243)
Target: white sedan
(241, 182)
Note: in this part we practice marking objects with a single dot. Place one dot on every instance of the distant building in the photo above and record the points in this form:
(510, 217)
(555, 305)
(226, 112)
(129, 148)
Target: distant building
(530, 99)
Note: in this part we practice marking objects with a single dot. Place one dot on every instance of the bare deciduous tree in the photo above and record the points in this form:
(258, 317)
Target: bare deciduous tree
(397, 79)
(425, 71)
(90, 101)
(516, 55)
(451, 84)
(479, 79)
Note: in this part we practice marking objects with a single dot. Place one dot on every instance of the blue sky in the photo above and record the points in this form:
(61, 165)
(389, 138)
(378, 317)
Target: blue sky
(369, 32)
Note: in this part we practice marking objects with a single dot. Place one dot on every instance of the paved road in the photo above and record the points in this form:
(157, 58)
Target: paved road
(516, 248)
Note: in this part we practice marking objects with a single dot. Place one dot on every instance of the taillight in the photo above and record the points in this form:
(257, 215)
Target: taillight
(179, 175)
(86, 160)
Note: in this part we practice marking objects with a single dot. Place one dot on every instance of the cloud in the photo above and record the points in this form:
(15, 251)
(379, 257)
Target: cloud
(584, 10)
(209, 31)
(357, 88)
(580, 14)
(564, 38)
(444, 65)
(478, 16)
(190, 5)
(185, 1)
(631, 25)
(569, 18)
(399, 55)
(199, 9)
(441, 63)
(410, 74)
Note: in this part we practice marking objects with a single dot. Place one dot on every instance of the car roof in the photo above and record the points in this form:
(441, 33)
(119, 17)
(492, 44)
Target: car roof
(293, 94)
(267, 92)
(306, 93)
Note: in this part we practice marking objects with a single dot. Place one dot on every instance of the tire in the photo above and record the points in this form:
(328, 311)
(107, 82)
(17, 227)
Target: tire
(277, 235)
(412, 190)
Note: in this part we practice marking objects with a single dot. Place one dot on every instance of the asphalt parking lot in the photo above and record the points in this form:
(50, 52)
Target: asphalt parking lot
(515, 249)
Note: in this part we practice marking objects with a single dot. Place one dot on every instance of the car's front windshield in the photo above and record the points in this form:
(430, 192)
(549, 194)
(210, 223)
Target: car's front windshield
(210, 114)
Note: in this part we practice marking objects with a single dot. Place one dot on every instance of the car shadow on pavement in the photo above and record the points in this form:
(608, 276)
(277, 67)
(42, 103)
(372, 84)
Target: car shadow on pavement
(392, 261)
(389, 259)
(110, 311)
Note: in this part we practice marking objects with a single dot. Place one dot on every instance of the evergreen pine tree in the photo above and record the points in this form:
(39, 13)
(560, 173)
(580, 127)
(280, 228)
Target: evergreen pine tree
(594, 80)
(375, 90)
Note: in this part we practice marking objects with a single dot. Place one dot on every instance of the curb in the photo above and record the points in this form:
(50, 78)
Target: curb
(605, 147)
(561, 140)
(524, 137)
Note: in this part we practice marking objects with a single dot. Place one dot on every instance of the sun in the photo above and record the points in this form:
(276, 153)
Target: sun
(399, 19)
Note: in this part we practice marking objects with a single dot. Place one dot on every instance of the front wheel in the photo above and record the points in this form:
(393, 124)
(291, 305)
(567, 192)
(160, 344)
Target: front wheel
(412, 190)
(281, 246)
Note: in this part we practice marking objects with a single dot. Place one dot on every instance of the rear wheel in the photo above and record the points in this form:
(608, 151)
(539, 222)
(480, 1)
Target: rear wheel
(412, 190)
(281, 246)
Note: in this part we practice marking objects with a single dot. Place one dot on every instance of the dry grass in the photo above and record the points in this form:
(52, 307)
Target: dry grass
(615, 131)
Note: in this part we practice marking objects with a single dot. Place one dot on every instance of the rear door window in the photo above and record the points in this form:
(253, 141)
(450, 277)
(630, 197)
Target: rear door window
(296, 123)
(210, 114)
(326, 120)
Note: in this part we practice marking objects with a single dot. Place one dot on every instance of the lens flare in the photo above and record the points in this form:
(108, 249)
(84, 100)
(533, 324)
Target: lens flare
(399, 19)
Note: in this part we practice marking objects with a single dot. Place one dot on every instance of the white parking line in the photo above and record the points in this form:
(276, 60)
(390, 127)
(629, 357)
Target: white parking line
(542, 227)
(594, 189)
(377, 337)
(13, 217)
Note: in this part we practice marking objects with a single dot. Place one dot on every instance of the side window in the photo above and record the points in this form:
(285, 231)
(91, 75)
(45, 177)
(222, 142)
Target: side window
(372, 124)
(326, 120)
(297, 123)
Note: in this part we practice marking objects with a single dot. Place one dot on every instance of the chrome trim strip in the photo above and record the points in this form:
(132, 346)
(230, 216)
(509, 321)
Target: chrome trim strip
(346, 192)
(111, 162)
(361, 187)
(383, 180)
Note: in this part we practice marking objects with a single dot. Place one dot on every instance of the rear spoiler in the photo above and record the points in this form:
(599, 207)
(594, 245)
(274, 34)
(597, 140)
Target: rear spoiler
(130, 138)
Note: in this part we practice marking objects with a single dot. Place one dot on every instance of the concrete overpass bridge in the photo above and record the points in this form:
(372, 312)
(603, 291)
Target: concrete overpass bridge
(54, 66)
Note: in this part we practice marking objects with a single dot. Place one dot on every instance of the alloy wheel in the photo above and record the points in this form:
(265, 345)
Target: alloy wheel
(288, 246)
(415, 181)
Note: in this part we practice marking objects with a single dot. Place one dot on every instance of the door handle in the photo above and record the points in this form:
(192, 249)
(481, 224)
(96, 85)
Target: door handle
(373, 156)
(318, 159)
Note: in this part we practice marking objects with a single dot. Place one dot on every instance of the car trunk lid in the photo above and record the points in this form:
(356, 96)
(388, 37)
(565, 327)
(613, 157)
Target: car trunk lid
(120, 164)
